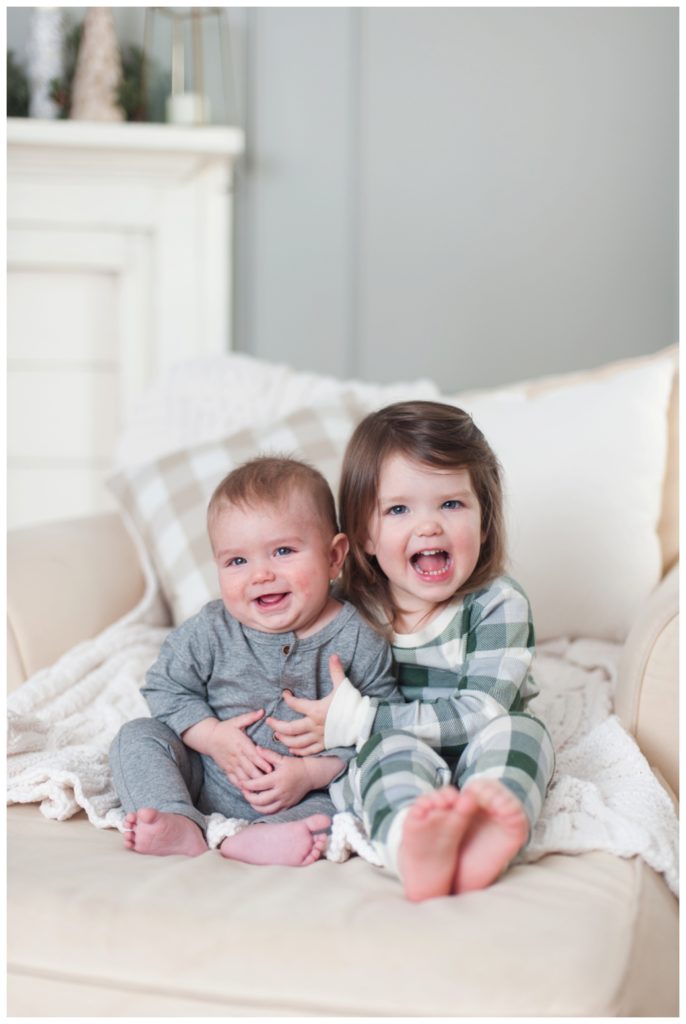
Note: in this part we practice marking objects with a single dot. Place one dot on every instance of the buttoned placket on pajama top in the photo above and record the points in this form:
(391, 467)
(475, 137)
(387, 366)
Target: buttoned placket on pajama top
(214, 667)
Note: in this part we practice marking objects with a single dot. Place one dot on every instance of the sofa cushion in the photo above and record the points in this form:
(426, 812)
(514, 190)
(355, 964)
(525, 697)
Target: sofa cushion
(584, 462)
(109, 931)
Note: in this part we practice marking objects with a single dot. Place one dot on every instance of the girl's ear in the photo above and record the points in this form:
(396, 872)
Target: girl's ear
(337, 552)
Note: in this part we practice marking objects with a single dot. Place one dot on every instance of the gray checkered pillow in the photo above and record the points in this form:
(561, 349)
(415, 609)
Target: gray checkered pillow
(167, 499)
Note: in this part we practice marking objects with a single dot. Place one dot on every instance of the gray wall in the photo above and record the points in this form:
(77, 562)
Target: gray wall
(470, 194)
(474, 195)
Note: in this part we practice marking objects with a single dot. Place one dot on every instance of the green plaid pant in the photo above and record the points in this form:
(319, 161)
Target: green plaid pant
(393, 768)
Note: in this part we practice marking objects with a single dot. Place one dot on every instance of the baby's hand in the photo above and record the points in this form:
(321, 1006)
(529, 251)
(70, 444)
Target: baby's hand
(235, 753)
(305, 735)
(285, 785)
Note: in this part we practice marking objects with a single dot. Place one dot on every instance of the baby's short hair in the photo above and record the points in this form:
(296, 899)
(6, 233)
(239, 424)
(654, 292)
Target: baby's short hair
(271, 480)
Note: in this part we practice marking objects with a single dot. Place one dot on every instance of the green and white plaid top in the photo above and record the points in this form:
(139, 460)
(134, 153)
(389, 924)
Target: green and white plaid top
(467, 666)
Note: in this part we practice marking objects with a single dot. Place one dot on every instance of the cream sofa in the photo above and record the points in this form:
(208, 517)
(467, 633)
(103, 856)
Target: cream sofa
(93, 930)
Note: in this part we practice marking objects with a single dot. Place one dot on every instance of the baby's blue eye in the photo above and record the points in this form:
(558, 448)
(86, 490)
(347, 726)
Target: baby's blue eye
(284, 551)
(238, 560)
(396, 510)
(452, 503)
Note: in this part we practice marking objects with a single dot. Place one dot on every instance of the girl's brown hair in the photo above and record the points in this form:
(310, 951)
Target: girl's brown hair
(432, 434)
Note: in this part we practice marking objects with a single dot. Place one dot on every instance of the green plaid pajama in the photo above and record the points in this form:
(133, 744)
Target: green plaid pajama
(465, 678)
(393, 768)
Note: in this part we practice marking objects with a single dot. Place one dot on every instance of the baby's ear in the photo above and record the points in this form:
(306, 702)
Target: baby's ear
(338, 551)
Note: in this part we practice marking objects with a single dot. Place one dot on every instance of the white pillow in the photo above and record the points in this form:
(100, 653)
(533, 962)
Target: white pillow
(207, 398)
(584, 468)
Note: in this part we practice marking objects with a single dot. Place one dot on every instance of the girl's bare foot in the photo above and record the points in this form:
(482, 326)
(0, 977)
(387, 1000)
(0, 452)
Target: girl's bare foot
(497, 832)
(162, 834)
(429, 849)
(293, 843)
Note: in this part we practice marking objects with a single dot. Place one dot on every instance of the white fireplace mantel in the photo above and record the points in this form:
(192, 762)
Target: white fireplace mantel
(211, 140)
(119, 264)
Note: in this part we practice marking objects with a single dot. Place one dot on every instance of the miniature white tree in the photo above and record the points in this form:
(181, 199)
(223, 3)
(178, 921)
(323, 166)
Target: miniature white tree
(44, 59)
(98, 70)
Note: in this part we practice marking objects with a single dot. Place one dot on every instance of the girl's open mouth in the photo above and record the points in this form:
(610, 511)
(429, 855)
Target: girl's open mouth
(432, 563)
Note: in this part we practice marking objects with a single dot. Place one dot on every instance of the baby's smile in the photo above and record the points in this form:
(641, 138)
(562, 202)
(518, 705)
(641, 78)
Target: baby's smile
(271, 600)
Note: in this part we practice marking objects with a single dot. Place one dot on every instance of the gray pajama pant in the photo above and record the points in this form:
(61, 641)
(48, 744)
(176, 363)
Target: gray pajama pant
(152, 767)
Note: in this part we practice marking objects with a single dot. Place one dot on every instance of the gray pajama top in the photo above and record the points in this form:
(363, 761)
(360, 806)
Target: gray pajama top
(212, 666)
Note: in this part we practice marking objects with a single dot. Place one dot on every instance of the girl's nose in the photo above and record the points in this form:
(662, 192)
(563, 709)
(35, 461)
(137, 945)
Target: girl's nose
(428, 528)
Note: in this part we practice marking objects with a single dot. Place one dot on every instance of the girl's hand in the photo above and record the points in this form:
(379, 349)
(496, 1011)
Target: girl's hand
(284, 786)
(305, 735)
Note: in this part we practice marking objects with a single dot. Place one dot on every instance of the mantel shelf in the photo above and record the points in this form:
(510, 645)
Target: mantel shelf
(215, 140)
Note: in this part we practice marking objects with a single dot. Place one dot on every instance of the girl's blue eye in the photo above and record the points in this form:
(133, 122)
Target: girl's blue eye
(396, 510)
(284, 551)
(452, 503)
(238, 560)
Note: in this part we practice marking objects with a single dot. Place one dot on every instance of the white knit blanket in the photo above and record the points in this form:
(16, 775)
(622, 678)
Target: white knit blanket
(604, 795)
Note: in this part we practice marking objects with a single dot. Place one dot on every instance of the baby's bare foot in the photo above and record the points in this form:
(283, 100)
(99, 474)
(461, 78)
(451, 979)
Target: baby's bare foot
(497, 832)
(162, 834)
(432, 833)
(292, 843)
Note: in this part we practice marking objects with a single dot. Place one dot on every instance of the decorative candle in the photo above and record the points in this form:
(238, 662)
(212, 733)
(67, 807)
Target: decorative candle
(187, 108)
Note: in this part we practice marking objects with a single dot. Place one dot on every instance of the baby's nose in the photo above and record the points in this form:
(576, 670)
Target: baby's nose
(263, 573)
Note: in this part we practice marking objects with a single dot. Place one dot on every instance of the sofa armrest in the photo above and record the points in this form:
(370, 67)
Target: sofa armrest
(66, 582)
(647, 698)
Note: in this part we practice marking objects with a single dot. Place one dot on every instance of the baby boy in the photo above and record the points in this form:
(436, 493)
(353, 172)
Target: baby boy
(219, 676)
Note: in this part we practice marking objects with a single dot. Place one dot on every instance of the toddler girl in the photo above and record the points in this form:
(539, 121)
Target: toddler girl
(449, 784)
